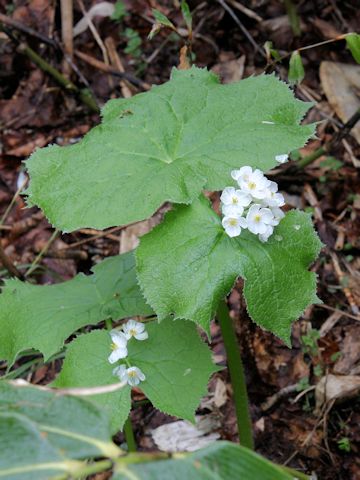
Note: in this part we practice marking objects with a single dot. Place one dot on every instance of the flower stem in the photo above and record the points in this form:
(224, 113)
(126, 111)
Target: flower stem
(237, 376)
(129, 435)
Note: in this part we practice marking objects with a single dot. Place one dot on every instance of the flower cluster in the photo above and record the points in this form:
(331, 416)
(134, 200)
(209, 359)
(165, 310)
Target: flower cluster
(255, 205)
(132, 375)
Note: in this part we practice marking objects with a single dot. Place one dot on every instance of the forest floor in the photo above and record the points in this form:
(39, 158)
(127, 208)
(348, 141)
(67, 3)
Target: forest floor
(291, 426)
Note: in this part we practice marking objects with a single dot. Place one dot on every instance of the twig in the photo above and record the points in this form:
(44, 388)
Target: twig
(246, 11)
(332, 309)
(67, 21)
(10, 267)
(107, 69)
(13, 200)
(94, 32)
(343, 132)
(242, 27)
(42, 253)
(78, 391)
(84, 95)
(94, 237)
(270, 402)
(116, 62)
(25, 29)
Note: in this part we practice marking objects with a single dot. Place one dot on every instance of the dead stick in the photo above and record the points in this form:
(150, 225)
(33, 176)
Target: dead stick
(25, 29)
(66, 7)
(84, 95)
(107, 69)
(342, 133)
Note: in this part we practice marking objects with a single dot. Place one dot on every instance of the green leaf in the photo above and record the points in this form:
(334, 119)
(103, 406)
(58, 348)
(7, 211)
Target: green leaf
(187, 264)
(119, 11)
(167, 144)
(296, 68)
(176, 362)
(353, 44)
(185, 10)
(162, 19)
(219, 461)
(42, 433)
(43, 317)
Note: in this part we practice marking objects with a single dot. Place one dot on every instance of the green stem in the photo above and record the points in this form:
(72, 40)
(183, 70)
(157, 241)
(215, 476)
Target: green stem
(83, 94)
(237, 376)
(42, 253)
(129, 435)
(303, 162)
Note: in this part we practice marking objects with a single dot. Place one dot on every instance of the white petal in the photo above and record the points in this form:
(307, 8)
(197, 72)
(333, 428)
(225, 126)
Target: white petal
(266, 215)
(118, 338)
(273, 187)
(120, 371)
(232, 210)
(233, 231)
(282, 158)
(133, 381)
(142, 336)
(139, 373)
(227, 194)
(117, 354)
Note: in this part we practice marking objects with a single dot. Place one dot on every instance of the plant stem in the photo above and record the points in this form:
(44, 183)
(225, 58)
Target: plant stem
(42, 253)
(293, 17)
(84, 95)
(339, 135)
(129, 435)
(237, 376)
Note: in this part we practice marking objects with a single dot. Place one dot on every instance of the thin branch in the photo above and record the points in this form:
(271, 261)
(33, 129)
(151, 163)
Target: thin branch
(25, 29)
(339, 135)
(79, 392)
(245, 31)
(107, 69)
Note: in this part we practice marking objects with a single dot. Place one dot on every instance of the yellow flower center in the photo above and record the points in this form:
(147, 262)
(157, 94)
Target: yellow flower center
(132, 332)
(234, 200)
(132, 373)
(252, 185)
(257, 218)
(113, 346)
(233, 222)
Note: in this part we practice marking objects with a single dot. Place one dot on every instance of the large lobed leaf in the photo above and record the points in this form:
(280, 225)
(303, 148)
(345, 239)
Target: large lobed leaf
(188, 264)
(46, 436)
(43, 317)
(41, 434)
(167, 144)
(176, 362)
(219, 461)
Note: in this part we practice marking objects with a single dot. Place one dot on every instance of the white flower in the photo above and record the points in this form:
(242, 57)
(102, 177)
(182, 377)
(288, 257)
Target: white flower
(118, 346)
(233, 225)
(132, 375)
(255, 184)
(232, 210)
(264, 237)
(135, 329)
(273, 197)
(278, 214)
(242, 174)
(283, 158)
(258, 219)
(230, 196)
